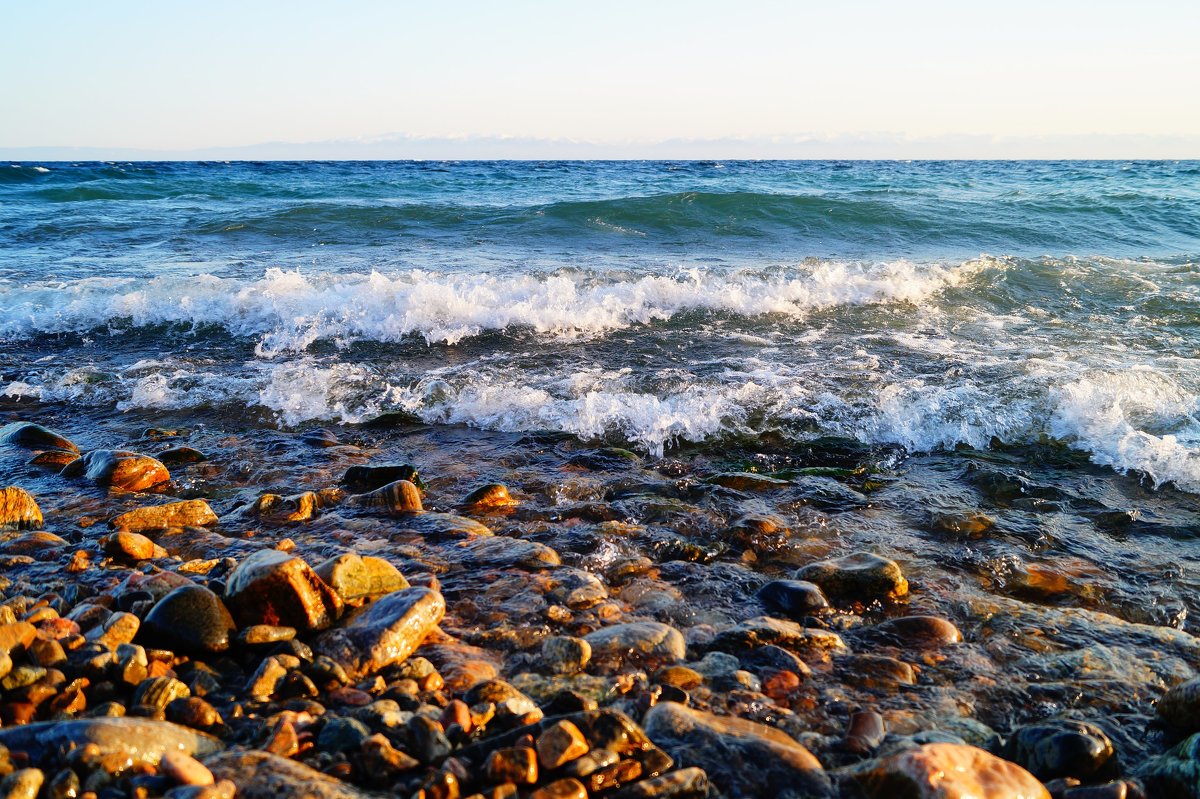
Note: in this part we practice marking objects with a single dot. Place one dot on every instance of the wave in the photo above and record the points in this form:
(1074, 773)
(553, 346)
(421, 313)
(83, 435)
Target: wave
(290, 311)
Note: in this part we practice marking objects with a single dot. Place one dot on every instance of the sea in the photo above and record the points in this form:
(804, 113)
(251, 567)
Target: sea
(652, 305)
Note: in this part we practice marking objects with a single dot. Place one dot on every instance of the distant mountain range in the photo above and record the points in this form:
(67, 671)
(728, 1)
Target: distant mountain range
(881, 146)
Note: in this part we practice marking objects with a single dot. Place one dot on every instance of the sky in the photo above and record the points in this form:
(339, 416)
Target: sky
(867, 78)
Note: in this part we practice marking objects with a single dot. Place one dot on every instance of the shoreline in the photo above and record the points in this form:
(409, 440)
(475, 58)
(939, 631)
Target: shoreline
(394, 628)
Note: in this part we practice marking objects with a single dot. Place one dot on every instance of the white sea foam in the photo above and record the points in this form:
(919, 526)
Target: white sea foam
(288, 311)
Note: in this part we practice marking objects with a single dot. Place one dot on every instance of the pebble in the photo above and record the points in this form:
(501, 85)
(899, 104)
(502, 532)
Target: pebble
(119, 628)
(368, 478)
(795, 599)
(913, 632)
(190, 619)
(22, 784)
(559, 744)
(569, 788)
(489, 497)
(564, 654)
(1063, 748)
(185, 769)
(131, 547)
(517, 764)
(272, 587)
(266, 634)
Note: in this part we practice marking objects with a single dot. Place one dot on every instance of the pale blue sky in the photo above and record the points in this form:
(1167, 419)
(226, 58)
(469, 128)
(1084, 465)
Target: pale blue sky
(175, 76)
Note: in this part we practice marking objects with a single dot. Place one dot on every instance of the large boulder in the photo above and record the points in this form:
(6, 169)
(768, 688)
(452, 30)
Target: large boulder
(387, 632)
(273, 587)
(741, 758)
(18, 510)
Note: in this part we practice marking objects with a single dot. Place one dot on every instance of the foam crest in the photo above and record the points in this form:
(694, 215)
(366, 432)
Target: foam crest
(289, 311)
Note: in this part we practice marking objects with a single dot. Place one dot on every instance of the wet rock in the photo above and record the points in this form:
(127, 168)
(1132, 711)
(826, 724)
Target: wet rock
(18, 510)
(740, 757)
(489, 497)
(431, 525)
(188, 513)
(357, 578)
(861, 576)
(276, 509)
(139, 740)
(500, 552)
(32, 544)
(119, 628)
(342, 735)
(559, 744)
(949, 771)
(686, 783)
(180, 456)
(512, 708)
(865, 732)
(158, 692)
(794, 599)
(266, 634)
(28, 435)
(428, 740)
(747, 481)
(810, 642)
(576, 588)
(961, 525)
(191, 619)
(261, 775)
(266, 679)
(397, 499)
(360, 479)
(54, 459)
(517, 764)
(1063, 748)
(22, 784)
(912, 632)
(131, 547)
(119, 469)
(272, 587)
(385, 633)
(197, 543)
(184, 769)
(563, 654)
(1179, 708)
(644, 639)
(16, 637)
(569, 788)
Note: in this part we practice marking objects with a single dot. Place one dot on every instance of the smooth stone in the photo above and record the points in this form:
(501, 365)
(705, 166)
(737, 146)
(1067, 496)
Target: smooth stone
(136, 739)
(355, 577)
(199, 543)
(568, 788)
(368, 478)
(276, 509)
(1063, 748)
(399, 498)
(949, 771)
(647, 639)
(685, 783)
(188, 513)
(498, 552)
(489, 497)
(273, 587)
(968, 525)
(119, 469)
(517, 764)
(768, 631)
(22, 784)
(387, 632)
(913, 632)
(266, 634)
(747, 481)
(55, 459)
(32, 543)
(740, 757)
(342, 735)
(443, 524)
(180, 456)
(28, 435)
(795, 599)
(119, 628)
(18, 510)
(16, 636)
(861, 576)
(184, 769)
(261, 775)
(128, 546)
(159, 692)
(190, 619)
(563, 654)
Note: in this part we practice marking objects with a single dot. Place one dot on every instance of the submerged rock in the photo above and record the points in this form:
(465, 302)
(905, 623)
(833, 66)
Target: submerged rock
(861, 576)
(795, 599)
(489, 497)
(740, 757)
(498, 552)
(361, 479)
(188, 513)
(18, 510)
(385, 633)
(28, 435)
(261, 775)
(119, 469)
(397, 499)
(1063, 748)
(190, 619)
(273, 587)
(137, 739)
(767, 631)
(949, 771)
(1179, 708)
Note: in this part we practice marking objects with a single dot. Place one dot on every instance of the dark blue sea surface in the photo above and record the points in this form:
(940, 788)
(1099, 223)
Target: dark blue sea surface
(651, 304)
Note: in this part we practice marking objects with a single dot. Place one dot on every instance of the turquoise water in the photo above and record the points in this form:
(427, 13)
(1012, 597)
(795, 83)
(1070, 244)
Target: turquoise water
(652, 304)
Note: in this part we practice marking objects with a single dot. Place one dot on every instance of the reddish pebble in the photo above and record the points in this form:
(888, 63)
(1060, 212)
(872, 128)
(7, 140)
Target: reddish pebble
(185, 769)
(781, 684)
(350, 696)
